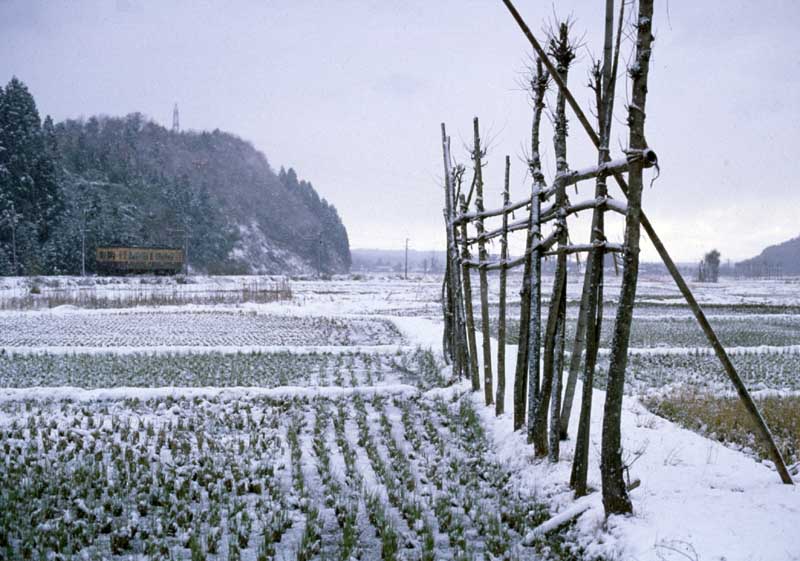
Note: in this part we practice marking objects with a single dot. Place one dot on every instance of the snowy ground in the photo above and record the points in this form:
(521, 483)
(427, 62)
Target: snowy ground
(365, 448)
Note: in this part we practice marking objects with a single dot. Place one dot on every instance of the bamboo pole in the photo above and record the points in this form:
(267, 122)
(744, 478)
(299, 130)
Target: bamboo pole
(482, 273)
(758, 420)
(500, 398)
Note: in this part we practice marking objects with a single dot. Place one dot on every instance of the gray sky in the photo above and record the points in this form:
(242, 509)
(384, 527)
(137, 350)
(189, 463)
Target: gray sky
(351, 94)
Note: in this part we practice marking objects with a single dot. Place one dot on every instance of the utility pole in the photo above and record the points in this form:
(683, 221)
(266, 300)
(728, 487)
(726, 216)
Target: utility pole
(83, 241)
(185, 231)
(186, 250)
(319, 256)
(405, 275)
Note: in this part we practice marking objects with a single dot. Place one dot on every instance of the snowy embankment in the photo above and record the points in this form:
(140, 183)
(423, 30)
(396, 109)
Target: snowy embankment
(697, 498)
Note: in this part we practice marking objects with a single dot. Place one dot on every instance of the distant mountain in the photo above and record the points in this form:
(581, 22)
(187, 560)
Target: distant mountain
(128, 180)
(780, 259)
(393, 260)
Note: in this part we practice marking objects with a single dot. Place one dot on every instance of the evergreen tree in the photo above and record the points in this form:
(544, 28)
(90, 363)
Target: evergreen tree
(30, 187)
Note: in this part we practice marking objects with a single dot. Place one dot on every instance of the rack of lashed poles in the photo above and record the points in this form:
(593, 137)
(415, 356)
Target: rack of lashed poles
(644, 22)
(546, 204)
(541, 350)
(540, 355)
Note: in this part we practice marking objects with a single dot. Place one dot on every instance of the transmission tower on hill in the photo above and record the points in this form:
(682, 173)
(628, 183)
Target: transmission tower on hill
(176, 121)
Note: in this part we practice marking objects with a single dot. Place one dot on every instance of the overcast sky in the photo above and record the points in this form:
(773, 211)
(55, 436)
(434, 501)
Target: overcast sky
(351, 94)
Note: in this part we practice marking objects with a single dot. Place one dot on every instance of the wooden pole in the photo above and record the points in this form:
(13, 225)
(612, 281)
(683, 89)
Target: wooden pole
(575, 357)
(593, 290)
(758, 420)
(526, 345)
(553, 353)
(615, 494)
(535, 328)
(470, 319)
(500, 398)
(457, 336)
(558, 370)
(523, 347)
(477, 156)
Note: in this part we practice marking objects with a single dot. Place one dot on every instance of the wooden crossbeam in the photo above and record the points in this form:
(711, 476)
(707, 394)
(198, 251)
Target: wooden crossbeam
(549, 213)
(571, 177)
(543, 246)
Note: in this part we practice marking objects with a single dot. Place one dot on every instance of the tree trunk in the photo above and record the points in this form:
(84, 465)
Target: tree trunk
(500, 398)
(483, 257)
(615, 495)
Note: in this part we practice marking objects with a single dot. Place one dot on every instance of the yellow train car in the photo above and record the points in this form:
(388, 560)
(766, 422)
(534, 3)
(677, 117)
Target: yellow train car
(116, 260)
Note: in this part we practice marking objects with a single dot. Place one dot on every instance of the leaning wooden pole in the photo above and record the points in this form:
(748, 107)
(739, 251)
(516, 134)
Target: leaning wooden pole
(761, 426)
(500, 398)
(470, 316)
(483, 257)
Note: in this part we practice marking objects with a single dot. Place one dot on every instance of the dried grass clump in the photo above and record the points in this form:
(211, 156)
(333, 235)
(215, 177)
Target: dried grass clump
(725, 418)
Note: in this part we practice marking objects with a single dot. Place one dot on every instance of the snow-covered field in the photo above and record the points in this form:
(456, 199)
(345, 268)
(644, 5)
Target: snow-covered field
(323, 428)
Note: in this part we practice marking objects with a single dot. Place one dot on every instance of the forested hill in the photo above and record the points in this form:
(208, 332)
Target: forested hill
(780, 259)
(131, 181)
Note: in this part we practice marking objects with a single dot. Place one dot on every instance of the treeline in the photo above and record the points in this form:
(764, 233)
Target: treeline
(67, 188)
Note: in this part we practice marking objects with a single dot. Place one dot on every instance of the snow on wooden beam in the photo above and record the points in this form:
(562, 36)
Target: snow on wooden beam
(550, 212)
(468, 216)
(586, 247)
(620, 165)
